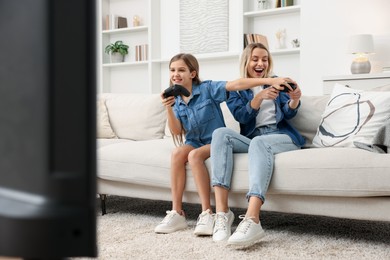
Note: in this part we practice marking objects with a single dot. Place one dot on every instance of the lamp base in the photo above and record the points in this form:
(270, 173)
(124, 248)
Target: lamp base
(360, 67)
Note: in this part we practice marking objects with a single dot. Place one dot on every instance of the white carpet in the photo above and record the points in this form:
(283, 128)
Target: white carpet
(126, 232)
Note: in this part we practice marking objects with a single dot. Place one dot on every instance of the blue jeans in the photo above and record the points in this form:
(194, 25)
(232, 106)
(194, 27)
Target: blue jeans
(265, 143)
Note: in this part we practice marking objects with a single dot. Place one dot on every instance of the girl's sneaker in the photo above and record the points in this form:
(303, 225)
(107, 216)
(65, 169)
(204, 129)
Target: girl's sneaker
(205, 224)
(172, 222)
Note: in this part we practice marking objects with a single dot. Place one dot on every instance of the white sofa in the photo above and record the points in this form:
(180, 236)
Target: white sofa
(134, 149)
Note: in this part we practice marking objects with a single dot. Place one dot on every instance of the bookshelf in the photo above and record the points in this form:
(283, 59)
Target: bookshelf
(134, 72)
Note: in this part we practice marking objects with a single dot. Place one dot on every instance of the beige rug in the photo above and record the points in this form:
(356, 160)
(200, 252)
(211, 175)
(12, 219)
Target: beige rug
(126, 232)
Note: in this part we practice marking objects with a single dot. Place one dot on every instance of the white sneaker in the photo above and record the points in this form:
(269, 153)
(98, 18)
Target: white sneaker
(205, 224)
(247, 233)
(172, 222)
(222, 226)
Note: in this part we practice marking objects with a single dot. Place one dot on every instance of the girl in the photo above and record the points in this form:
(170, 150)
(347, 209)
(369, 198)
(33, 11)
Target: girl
(196, 116)
(262, 112)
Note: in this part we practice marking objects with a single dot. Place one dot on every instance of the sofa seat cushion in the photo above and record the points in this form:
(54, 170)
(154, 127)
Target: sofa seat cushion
(349, 172)
(346, 172)
(139, 162)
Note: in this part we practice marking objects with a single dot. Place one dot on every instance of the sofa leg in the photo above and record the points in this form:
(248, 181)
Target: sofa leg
(103, 203)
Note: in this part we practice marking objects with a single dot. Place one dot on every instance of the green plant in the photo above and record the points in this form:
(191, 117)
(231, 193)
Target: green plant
(118, 46)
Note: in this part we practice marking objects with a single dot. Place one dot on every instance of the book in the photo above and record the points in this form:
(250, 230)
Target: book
(255, 38)
(122, 22)
(141, 52)
(111, 22)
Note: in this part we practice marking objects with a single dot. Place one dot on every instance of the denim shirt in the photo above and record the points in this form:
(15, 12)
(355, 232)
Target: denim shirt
(239, 106)
(202, 115)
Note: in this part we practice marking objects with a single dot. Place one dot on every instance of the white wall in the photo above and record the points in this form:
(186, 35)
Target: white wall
(325, 30)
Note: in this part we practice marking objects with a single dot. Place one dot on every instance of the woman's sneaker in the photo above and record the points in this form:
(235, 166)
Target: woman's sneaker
(205, 224)
(223, 225)
(247, 233)
(172, 222)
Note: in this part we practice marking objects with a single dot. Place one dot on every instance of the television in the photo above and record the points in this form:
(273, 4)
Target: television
(47, 131)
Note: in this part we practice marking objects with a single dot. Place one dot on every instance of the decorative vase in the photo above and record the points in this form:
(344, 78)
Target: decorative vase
(262, 4)
(117, 57)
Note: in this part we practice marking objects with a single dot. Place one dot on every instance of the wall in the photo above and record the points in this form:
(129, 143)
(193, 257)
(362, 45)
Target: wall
(325, 28)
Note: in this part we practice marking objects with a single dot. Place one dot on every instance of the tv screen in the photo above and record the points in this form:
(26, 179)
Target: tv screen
(47, 131)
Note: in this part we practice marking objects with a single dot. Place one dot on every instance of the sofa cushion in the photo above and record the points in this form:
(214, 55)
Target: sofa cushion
(312, 172)
(136, 116)
(352, 116)
(309, 116)
(103, 129)
(229, 119)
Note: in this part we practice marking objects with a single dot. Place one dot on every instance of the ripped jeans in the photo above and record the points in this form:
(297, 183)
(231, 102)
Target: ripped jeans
(267, 142)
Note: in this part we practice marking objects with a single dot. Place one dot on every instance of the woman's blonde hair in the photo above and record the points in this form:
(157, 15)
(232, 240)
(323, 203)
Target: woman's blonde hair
(246, 57)
(193, 65)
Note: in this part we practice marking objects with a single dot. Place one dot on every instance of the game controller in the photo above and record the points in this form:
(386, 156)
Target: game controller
(292, 85)
(176, 90)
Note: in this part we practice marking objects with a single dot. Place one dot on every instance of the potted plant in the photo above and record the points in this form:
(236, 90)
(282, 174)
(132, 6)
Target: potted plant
(117, 51)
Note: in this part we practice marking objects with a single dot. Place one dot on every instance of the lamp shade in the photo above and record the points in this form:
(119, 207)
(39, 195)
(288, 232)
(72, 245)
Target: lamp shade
(361, 43)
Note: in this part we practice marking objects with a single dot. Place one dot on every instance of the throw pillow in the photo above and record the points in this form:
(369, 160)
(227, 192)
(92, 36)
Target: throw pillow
(104, 129)
(352, 116)
(137, 116)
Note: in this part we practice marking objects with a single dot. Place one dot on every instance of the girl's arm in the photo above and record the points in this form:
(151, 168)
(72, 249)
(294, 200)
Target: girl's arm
(246, 83)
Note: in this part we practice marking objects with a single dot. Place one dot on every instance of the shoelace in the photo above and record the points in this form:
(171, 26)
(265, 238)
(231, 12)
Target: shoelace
(244, 224)
(169, 216)
(220, 221)
(204, 217)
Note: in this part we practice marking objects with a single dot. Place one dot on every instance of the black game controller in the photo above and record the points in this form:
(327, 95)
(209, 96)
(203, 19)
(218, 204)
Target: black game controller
(292, 85)
(176, 90)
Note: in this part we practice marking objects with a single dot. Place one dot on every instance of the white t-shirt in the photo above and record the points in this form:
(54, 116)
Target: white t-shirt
(266, 114)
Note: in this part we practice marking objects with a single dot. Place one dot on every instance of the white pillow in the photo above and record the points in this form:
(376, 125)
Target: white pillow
(136, 116)
(104, 129)
(352, 115)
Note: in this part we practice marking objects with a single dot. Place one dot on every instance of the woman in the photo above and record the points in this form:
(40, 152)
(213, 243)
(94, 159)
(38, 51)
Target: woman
(262, 112)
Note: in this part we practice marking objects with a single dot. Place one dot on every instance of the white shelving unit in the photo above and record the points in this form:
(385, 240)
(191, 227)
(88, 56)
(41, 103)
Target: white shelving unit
(267, 22)
(131, 75)
(151, 76)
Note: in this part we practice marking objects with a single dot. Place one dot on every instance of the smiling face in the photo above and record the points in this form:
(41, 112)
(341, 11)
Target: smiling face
(180, 74)
(258, 63)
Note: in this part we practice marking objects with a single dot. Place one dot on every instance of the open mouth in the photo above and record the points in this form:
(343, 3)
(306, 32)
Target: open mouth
(259, 71)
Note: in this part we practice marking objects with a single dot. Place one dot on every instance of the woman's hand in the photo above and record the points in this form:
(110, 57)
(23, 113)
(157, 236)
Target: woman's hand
(268, 93)
(167, 102)
(294, 97)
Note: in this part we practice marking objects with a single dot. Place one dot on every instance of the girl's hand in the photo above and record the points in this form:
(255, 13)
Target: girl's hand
(282, 83)
(167, 102)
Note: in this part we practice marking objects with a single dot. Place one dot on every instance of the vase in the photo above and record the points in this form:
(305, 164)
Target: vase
(117, 57)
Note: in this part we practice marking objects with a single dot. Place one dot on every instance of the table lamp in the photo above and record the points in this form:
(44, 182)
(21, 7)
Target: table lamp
(361, 45)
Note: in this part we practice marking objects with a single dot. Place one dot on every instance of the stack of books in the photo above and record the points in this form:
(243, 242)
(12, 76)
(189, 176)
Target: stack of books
(257, 38)
(115, 22)
(141, 52)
